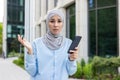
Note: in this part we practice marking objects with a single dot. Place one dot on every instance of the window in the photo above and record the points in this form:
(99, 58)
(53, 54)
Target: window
(71, 26)
(21, 16)
(102, 28)
(9, 29)
(21, 2)
(15, 20)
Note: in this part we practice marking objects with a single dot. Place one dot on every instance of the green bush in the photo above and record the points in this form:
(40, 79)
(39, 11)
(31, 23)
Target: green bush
(84, 71)
(106, 68)
(20, 61)
(14, 54)
(87, 71)
(21, 57)
(98, 68)
(78, 73)
(82, 62)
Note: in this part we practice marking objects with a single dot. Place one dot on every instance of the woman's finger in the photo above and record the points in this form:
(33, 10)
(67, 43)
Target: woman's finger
(74, 55)
(73, 51)
(20, 39)
(76, 48)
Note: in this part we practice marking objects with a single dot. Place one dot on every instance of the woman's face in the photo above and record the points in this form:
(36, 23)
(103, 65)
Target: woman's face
(55, 24)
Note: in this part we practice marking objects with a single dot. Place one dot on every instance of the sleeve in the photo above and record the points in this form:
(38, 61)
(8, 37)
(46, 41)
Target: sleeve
(71, 66)
(31, 62)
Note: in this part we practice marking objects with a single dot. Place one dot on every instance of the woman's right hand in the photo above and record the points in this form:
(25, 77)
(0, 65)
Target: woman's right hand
(26, 44)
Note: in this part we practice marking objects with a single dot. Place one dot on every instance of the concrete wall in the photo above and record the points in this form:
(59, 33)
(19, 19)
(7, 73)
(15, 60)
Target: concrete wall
(4, 46)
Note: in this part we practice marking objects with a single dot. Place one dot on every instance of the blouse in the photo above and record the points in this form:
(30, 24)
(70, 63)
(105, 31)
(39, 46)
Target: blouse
(46, 64)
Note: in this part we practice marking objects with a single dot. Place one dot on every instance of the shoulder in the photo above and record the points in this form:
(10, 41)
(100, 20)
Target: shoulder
(37, 40)
(68, 39)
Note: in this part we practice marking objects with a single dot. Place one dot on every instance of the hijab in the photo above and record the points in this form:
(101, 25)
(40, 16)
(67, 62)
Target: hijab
(53, 41)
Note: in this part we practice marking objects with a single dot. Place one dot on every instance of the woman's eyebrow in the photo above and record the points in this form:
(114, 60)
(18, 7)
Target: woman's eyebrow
(54, 19)
(60, 19)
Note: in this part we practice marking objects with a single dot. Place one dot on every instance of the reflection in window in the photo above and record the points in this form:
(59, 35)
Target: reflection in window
(103, 3)
(9, 29)
(9, 35)
(14, 36)
(71, 26)
(103, 29)
(21, 16)
(15, 18)
(91, 3)
(21, 2)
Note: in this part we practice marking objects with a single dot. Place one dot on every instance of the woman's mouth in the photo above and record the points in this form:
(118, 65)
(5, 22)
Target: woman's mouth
(55, 29)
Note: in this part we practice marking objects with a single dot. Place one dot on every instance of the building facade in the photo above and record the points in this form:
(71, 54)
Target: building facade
(97, 21)
(13, 25)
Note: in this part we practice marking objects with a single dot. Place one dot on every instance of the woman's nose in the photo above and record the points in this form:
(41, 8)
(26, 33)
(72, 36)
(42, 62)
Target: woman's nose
(56, 24)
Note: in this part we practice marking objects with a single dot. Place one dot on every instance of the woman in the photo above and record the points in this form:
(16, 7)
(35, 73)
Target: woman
(47, 57)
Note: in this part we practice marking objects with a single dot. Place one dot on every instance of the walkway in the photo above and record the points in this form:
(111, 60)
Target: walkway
(9, 71)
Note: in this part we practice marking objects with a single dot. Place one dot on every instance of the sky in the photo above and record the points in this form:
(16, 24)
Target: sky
(1, 10)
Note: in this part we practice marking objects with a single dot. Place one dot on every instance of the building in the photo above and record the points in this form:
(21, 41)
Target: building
(13, 25)
(97, 21)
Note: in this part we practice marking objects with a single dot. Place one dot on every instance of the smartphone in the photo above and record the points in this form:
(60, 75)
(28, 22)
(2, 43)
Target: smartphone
(74, 43)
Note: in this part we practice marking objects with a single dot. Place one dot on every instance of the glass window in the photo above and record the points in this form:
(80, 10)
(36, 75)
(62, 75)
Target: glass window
(14, 2)
(103, 29)
(9, 35)
(102, 3)
(14, 14)
(8, 1)
(107, 32)
(15, 18)
(14, 36)
(21, 16)
(71, 26)
(21, 2)
(92, 4)
(20, 27)
(92, 33)
(8, 16)
(9, 29)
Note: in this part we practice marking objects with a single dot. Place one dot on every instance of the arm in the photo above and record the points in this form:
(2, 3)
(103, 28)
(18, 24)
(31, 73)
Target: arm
(71, 67)
(71, 62)
(30, 58)
(31, 62)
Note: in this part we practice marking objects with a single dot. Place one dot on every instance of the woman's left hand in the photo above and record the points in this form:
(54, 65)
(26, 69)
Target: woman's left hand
(73, 54)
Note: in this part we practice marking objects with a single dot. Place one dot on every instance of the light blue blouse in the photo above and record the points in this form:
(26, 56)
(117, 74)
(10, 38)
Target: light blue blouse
(46, 64)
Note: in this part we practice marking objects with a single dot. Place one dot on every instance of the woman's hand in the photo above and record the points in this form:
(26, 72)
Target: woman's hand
(26, 44)
(73, 54)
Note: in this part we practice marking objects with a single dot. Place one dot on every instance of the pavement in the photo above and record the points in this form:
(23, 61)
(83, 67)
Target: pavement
(10, 71)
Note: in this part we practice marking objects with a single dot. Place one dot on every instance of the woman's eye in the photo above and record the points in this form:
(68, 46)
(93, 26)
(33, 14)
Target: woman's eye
(51, 21)
(59, 21)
